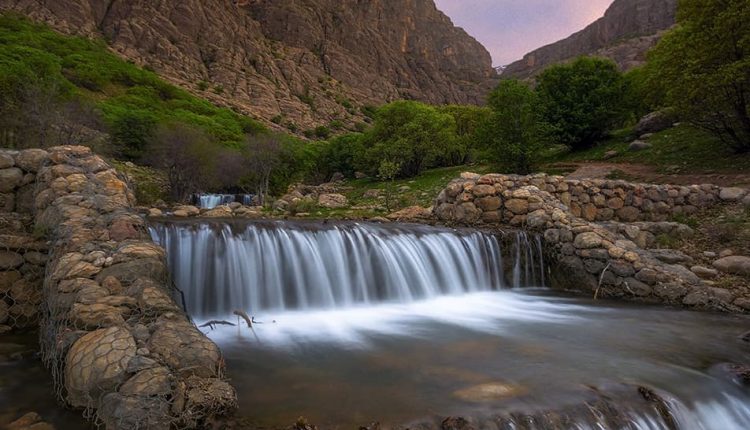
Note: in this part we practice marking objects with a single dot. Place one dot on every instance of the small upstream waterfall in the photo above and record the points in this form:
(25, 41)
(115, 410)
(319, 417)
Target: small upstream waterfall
(286, 266)
(210, 201)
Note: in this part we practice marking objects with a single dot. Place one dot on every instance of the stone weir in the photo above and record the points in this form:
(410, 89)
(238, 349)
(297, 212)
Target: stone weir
(598, 231)
(117, 344)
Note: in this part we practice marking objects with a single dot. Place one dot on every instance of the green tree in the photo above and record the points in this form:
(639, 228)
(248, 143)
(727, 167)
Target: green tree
(512, 135)
(703, 68)
(414, 133)
(582, 101)
(468, 121)
(387, 171)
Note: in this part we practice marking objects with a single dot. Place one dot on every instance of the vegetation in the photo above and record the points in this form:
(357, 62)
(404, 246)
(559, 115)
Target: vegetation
(702, 67)
(513, 133)
(582, 101)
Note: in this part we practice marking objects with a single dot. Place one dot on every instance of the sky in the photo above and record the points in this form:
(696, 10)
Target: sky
(511, 28)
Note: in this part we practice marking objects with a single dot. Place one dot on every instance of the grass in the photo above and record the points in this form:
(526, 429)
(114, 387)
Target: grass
(682, 149)
(78, 67)
(421, 191)
(150, 185)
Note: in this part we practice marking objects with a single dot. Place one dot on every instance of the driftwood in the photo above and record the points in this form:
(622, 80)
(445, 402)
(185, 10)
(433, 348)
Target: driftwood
(601, 278)
(212, 324)
(243, 315)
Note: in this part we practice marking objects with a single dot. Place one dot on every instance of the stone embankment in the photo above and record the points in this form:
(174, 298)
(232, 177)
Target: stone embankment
(117, 343)
(599, 232)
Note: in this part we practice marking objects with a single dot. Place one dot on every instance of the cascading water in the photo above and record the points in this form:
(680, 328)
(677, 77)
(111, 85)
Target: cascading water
(210, 201)
(264, 266)
(363, 322)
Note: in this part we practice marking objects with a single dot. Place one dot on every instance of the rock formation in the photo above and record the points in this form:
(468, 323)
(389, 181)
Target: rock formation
(627, 31)
(299, 63)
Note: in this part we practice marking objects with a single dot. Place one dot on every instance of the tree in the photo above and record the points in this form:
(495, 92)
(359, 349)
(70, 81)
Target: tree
(512, 135)
(188, 156)
(468, 121)
(387, 171)
(264, 153)
(703, 68)
(582, 101)
(412, 132)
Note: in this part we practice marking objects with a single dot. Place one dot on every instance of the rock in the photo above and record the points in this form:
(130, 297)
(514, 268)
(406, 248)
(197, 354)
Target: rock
(155, 212)
(212, 395)
(156, 381)
(10, 179)
(704, 272)
(456, 423)
(372, 194)
(219, 212)
(6, 161)
(734, 264)
(96, 364)
(94, 316)
(10, 260)
(655, 122)
(726, 253)
(411, 213)
(31, 160)
(671, 256)
(360, 175)
(483, 190)
(30, 421)
(139, 363)
(333, 201)
(639, 145)
(628, 214)
(3, 311)
(709, 254)
(123, 229)
(537, 219)
(587, 241)
(189, 210)
(732, 194)
(609, 155)
(134, 412)
(636, 287)
(179, 213)
(682, 272)
(517, 206)
(488, 204)
(183, 347)
(337, 177)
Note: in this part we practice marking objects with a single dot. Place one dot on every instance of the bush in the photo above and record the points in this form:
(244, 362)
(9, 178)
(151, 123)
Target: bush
(582, 101)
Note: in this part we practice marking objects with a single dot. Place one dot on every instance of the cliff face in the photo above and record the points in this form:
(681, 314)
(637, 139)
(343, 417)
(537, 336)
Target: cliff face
(301, 62)
(627, 31)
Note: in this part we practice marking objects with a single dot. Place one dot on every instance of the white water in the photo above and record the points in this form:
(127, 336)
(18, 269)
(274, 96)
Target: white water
(266, 267)
(210, 201)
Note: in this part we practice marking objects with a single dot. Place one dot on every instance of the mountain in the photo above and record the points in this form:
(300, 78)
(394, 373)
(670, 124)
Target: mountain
(295, 63)
(625, 33)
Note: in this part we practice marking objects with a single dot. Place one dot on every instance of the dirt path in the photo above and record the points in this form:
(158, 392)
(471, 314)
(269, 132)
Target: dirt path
(650, 174)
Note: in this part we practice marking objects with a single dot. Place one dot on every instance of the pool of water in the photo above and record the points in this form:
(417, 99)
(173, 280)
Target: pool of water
(481, 354)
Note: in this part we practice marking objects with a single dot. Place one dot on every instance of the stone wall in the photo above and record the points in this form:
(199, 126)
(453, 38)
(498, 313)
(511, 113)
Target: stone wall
(23, 254)
(606, 258)
(118, 345)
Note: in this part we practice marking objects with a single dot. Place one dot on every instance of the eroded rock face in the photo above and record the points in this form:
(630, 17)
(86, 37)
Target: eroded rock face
(309, 61)
(627, 31)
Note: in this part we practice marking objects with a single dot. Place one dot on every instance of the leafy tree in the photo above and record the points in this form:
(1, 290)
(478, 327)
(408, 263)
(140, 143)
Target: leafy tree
(132, 131)
(582, 101)
(414, 133)
(512, 135)
(703, 68)
(468, 121)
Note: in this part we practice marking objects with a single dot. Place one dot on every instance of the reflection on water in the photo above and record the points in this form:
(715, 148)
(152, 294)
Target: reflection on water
(482, 354)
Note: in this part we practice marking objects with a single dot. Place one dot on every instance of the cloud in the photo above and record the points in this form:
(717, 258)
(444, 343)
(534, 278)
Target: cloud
(511, 28)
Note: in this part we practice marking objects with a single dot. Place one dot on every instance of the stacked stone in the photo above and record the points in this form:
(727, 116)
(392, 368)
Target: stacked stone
(232, 210)
(116, 341)
(616, 200)
(22, 256)
(591, 257)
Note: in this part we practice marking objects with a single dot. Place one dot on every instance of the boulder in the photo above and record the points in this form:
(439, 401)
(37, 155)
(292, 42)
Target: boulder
(639, 145)
(156, 381)
(3, 312)
(10, 178)
(517, 206)
(96, 364)
(704, 272)
(411, 213)
(333, 201)
(10, 260)
(587, 240)
(610, 154)
(134, 412)
(654, 122)
(6, 161)
(181, 346)
(671, 256)
(732, 194)
(219, 212)
(31, 160)
(734, 264)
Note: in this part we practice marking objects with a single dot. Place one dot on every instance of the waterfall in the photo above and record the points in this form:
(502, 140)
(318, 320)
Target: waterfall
(210, 201)
(263, 266)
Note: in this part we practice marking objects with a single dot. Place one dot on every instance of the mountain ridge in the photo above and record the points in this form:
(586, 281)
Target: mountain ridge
(295, 64)
(628, 29)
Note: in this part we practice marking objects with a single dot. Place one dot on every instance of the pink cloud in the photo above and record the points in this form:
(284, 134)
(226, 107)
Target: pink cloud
(511, 28)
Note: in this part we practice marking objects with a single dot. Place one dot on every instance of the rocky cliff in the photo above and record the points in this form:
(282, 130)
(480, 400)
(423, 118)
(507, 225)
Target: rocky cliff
(625, 33)
(299, 63)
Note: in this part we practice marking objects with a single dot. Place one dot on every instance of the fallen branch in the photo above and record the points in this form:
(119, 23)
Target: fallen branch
(212, 324)
(601, 278)
(244, 316)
